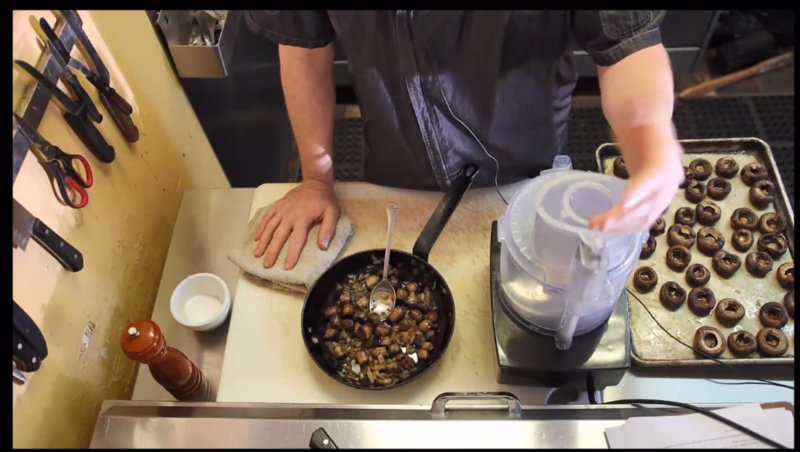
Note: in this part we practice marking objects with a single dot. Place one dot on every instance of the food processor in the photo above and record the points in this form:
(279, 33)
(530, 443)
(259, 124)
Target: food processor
(558, 288)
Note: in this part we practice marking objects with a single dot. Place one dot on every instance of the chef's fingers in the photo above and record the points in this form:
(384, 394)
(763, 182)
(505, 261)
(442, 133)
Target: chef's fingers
(276, 244)
(296, 243)
(264, 220)
(266, 237)
(328, 227)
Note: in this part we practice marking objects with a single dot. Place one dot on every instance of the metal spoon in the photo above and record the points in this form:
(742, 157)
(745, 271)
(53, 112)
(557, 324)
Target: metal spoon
(382, 298)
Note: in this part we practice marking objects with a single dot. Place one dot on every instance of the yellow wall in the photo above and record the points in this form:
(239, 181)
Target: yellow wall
(123, 232)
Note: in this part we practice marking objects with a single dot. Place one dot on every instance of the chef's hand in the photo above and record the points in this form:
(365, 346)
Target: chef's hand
(292, 216)
(654, 177)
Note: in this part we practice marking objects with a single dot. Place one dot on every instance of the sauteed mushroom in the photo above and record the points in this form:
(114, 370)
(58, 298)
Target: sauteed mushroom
(701, 167)
(726, 167)
(645, 279)
(786, 275)
(709, 340)
(648, 248)
(620, 169)
(374, 352)
(695, 191)
(788, 302)
(744, 218)
(773, 244)
(685, 215)
(701, 301)
(771, 222)
(725, 263)
(754, 172)
(742, 343)
(678, 257)
(773, 314)
(742, 239)
(772, 342)
(762, 193)
(729, 312)
(707, 213)
(680, 234)
(672, 295)
(709, 240)
(758, 263)
(697, 275)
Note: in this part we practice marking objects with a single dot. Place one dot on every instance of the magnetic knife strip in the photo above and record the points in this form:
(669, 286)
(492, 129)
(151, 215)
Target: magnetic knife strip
(37, 104)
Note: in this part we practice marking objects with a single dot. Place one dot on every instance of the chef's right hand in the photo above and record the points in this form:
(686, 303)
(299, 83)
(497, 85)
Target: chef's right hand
(292, 216)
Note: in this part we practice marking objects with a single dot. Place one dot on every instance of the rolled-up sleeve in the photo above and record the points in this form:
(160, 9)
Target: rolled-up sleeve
(610, 36)
(309, 29)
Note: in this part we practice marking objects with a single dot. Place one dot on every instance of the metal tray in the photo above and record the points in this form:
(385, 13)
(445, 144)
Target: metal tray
(650, 346)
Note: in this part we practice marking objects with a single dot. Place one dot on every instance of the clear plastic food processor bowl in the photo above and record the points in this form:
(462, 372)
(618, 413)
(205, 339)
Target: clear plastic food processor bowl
(559, 276)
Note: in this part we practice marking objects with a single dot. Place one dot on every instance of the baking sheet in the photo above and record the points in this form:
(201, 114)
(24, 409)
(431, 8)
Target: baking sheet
(650, 345)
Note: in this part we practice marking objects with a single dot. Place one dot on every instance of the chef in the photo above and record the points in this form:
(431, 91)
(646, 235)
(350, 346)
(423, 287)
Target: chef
(437, 89)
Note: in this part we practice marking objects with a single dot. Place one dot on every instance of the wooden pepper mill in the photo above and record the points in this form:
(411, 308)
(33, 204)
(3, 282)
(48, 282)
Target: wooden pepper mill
(143, 341)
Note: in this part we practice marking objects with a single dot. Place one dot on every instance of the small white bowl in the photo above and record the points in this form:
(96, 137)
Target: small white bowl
(201, 302)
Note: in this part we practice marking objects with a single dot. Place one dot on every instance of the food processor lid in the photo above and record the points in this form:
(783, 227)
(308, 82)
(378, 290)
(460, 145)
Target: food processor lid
(549, 217)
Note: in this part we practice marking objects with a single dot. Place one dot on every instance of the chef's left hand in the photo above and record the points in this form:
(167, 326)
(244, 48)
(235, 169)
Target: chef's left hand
(654, 176)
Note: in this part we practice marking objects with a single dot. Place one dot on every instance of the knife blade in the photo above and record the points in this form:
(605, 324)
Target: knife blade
(74, 22)
(61, 55)
(74, 114)
(62, 98)
(26, 328)
(26, 225)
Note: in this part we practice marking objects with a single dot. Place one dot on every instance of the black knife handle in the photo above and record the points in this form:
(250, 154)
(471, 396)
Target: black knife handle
(321, 440)
(24, 355)
(70, 258)
(91, 137)
(123, 121)
(24, 325)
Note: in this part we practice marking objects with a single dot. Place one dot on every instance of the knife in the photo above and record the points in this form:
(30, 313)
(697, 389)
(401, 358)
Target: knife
(26, 225)
(116, 105)
(29, 346)
(76, 116)
(60, 54)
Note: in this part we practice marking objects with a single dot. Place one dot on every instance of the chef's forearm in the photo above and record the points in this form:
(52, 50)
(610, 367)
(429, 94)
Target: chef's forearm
(637, 96)
(307, 81)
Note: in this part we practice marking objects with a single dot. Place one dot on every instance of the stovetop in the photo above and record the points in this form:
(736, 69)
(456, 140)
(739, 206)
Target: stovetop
(526, 357)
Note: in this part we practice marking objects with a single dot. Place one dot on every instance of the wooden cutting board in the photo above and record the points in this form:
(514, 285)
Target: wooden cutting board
(266, 361)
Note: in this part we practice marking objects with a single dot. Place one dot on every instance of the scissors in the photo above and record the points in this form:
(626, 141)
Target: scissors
(60, 166)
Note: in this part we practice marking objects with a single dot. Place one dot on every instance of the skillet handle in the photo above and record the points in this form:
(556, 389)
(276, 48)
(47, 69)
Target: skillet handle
(444, 210)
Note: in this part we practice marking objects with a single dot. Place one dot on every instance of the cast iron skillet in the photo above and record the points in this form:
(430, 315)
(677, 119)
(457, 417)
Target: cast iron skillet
(322, 294)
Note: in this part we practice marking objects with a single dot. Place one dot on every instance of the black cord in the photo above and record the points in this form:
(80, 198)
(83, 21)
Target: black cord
(705, 354)
(590, 388)
(496, 164)
(703, 411)
(739, 382)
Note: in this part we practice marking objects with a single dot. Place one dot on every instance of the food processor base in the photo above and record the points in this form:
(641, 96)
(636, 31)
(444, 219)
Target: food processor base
(526, 357)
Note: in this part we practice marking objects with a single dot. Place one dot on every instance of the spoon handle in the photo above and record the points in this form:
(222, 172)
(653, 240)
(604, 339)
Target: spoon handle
(391, 213)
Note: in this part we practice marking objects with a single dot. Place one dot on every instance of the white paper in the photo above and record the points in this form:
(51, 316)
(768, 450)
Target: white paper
(700, 431)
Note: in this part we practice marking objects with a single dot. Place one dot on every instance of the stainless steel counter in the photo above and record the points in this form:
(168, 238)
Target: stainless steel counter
(439, 425)
(210, 221)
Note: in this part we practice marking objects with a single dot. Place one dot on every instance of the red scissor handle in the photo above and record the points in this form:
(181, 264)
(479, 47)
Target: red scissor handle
(83, 197)
(86, 182)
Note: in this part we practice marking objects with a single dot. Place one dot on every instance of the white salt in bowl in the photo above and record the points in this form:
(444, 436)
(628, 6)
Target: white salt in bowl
(201, 302)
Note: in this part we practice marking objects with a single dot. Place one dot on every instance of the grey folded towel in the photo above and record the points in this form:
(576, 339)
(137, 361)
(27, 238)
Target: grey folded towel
(312, 262)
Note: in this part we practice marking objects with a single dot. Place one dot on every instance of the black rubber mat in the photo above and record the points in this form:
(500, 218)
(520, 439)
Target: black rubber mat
(770, 118)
